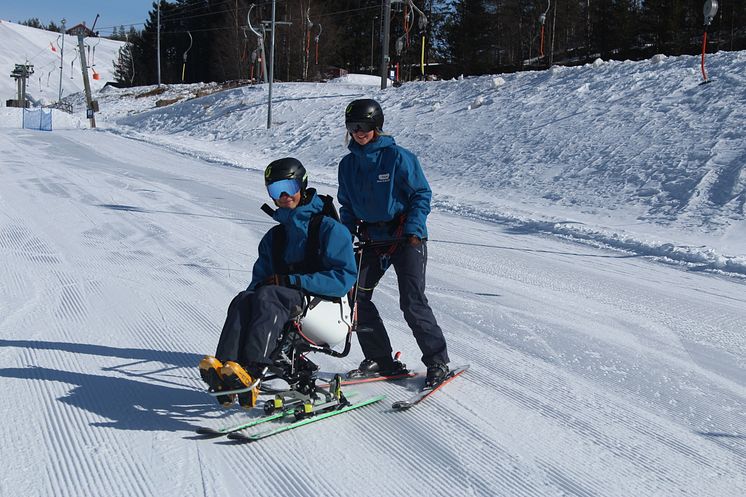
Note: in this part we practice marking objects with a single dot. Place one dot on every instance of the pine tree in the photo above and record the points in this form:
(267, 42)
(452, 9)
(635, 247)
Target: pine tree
(469, 38)
(123, 66)
(351, 29)
(33, 23)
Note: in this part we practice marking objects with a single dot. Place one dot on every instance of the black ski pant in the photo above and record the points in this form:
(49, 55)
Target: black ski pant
(409, 263)
(255, 322)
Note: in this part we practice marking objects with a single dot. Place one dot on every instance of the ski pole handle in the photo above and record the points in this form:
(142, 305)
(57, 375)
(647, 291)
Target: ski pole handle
(380, 243)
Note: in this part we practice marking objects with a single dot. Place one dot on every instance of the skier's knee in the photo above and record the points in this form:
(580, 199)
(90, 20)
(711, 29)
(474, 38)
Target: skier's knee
(265, 293)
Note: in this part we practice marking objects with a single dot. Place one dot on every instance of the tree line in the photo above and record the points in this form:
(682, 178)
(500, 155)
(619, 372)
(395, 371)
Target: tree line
(316, 39)
(507, 35)
(34, 22)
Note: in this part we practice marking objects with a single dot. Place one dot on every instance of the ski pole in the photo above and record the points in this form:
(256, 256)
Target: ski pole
(354, 293)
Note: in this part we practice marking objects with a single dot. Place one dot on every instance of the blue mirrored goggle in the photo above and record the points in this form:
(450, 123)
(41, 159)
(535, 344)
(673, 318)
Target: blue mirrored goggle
(289, 186)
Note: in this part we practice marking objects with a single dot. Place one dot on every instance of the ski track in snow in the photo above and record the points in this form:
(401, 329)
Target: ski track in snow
(592, 372)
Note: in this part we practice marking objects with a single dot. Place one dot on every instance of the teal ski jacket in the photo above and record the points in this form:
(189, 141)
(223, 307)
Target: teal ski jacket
(377, 183)
(338, 267)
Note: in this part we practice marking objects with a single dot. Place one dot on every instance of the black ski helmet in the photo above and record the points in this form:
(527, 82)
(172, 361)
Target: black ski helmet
(365, 110)
(286, 168)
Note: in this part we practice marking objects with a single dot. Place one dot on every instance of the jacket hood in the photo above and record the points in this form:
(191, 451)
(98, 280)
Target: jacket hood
(379, 143)
(301, 215)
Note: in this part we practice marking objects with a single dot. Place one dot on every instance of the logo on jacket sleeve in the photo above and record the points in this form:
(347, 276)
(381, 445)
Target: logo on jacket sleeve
(384, 178)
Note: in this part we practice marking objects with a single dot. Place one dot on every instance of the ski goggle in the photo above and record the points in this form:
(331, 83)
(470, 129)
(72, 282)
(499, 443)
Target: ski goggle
(360, 126)
(288, 186)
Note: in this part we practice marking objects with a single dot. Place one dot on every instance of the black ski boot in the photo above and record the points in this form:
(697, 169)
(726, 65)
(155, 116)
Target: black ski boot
(436, 373)
(381, 366)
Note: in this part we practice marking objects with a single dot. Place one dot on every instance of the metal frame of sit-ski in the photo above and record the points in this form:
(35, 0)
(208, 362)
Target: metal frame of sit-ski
(289, 358)
(291, 365)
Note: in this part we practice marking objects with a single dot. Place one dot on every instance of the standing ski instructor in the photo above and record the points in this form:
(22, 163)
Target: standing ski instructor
(291, 265)
(385, 200)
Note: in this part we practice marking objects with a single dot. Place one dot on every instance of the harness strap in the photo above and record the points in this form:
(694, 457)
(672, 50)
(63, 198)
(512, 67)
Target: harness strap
(311, 262)
(396, 231)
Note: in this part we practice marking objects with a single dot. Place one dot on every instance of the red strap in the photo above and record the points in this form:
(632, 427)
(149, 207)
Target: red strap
(704, 46)
(397, 234)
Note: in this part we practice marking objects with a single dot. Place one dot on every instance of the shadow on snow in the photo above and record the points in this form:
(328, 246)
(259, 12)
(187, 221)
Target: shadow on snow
(139, 401)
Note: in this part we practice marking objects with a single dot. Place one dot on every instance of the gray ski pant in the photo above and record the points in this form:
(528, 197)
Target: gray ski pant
(255, 322)
(409, 263)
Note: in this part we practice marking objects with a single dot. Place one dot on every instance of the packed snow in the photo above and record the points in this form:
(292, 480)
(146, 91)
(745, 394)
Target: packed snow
(587, 259)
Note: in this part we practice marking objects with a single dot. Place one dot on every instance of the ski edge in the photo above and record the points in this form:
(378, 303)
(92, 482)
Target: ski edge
(403, 405)
(371, 379)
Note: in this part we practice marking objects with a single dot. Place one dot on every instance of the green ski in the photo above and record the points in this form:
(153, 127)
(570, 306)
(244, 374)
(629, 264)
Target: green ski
(245, 437)
(217, 432)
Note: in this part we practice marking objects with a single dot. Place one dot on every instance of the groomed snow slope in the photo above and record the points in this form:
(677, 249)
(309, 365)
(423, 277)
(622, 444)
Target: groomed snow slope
(593, 372)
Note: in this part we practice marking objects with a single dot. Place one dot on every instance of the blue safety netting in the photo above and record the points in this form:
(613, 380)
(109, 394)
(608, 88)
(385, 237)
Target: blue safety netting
(40, 119)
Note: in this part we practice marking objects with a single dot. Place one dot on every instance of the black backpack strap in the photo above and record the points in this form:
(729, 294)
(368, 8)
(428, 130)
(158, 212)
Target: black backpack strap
(268, 210)
(278, 249)
(329, 209)
(313, 243)
(312, 258)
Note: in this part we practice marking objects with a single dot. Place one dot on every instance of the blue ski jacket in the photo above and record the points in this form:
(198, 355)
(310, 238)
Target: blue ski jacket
(377, 183)
(338, 260)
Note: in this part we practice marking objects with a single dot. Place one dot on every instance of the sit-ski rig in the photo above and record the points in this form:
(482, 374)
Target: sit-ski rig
(303, 396)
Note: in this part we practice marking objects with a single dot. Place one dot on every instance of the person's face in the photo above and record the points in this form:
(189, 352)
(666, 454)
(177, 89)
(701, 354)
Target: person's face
(362, 132)
(363, 137)
(288, 201)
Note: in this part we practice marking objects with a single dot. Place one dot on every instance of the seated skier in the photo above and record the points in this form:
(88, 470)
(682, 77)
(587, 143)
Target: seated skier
(256, 317)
